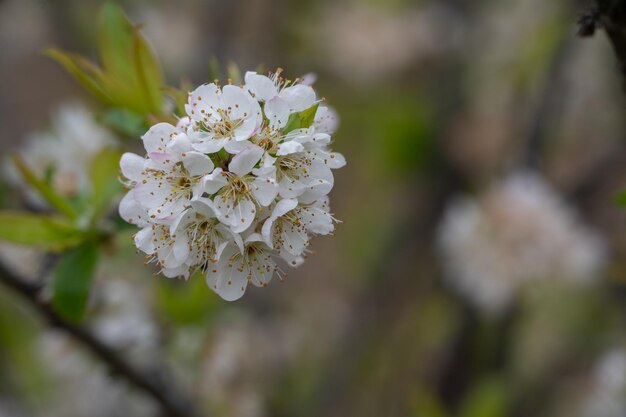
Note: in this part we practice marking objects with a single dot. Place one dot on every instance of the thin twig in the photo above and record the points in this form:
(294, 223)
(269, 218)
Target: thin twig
(150, 381)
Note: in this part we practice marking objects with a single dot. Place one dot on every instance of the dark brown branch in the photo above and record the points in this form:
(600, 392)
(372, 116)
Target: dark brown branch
(611, 16)
(152, 382)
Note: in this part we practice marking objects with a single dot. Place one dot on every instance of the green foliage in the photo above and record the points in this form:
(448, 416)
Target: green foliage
(620, 198)
(72, 280)
(43, 231)
(44, 189)
(488, 398)
(125, 122)
(104, 182)
(301, 120)
(130, 77)
(187, 302)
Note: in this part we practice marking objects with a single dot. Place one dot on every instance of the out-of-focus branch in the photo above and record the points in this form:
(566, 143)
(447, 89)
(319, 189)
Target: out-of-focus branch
(611, 16)
(151, 381)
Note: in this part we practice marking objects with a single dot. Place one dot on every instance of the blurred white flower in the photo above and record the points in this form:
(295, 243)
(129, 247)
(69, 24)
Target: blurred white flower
(518, 231)
(123, 319)
(65, 152)
(82, 387)
(608, 397)
(239, 182)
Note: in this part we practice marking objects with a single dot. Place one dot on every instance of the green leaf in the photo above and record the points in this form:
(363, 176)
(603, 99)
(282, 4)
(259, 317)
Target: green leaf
(115, 42)
(72, 280)
(125, 122)
(43, 231)
(85, 72)
(620, 199)
(148, 72)
(104, 181)
(46, 191)
(301, 120)
(488, 398)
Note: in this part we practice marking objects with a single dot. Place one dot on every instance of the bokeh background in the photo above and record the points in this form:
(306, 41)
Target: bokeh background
(480, 267)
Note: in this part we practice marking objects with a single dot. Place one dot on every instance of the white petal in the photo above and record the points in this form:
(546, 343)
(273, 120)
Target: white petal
(277, 112)
(151, 194)
(213, 182)
(227, 278)
(210, 145)
(267, 231)
(180, 143)
(158, 137)
(299, 97)
(245, 160)
(261, 86)
(203, 102)
(242, 215)
(264, 190)
(204, 206)
(197, 163)
(237, 101)
(247, 129)
(287, 148)
(143, 240)
(131, 211)
(283, 207)
(295, 241)
(234, 146)
(132, 166)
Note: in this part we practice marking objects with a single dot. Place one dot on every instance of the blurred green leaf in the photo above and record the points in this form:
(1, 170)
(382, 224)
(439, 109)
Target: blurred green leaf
(87, 74)
(301, 120)
(620, 199)
(131, 77)
(488, 398)
(72, 281)
(125, 122)
(187, 302)
(115, 42)
(43, 231)
(104, 180)
(233, 72)
(149, 72)
(44, 189)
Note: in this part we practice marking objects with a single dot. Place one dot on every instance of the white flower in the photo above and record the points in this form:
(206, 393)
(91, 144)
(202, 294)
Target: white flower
(608, 396)
(165, 182)
(242, 189)
(518, 231)
(222, 118)
(65, 153)
(290, 224)
(234, 185)
(297, 97)
(230, 276)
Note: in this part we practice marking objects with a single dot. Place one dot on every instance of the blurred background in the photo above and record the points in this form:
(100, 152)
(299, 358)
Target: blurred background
(480, 267)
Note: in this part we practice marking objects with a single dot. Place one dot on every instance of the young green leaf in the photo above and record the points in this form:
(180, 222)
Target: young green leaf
(42, 231)
(125, 122)
(72, 280)
(86, 73)
(148, 72)
(104, 180)
(44, 189)
(301, 120)
(115, 42)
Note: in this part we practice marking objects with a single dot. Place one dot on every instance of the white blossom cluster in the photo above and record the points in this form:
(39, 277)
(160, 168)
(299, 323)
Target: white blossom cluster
(519, 231)
(242, 179)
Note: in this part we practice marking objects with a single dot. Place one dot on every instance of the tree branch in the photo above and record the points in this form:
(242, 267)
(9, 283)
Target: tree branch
(611, 16)
(151, 381)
